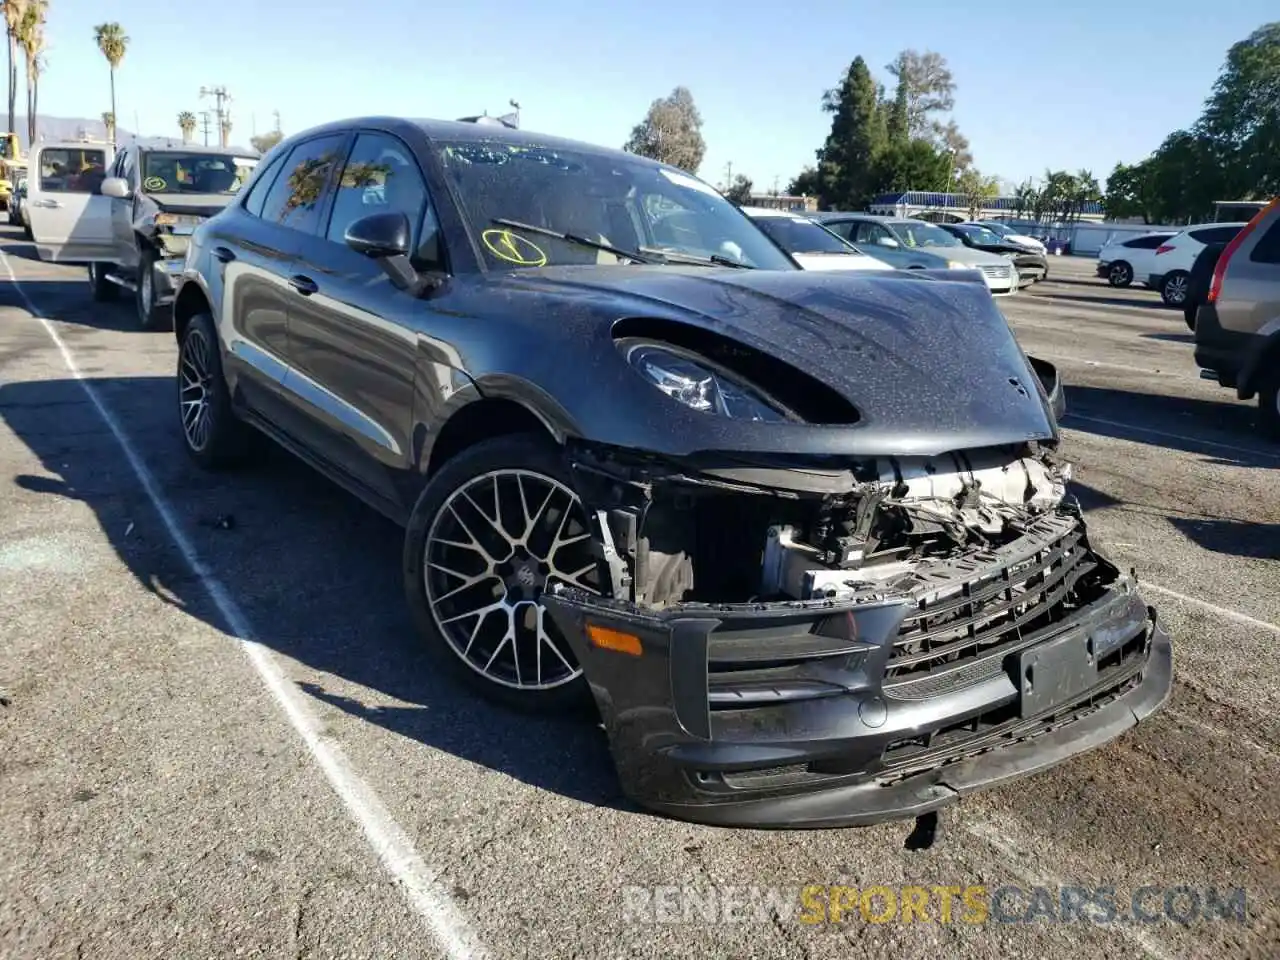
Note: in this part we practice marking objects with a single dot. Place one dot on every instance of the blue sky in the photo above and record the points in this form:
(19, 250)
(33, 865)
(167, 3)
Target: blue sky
(1084, 83)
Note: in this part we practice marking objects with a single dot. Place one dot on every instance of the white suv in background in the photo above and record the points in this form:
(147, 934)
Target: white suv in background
(1171, 267)
(1123, 260)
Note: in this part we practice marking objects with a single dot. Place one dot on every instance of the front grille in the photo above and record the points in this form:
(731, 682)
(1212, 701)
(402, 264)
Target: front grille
(997, 607)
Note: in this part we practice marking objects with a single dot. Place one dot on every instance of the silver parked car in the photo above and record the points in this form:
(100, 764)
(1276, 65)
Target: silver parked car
(1238, 327)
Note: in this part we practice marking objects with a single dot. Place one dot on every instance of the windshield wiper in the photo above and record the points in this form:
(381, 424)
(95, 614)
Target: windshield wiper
(713, 260)
(574, 238)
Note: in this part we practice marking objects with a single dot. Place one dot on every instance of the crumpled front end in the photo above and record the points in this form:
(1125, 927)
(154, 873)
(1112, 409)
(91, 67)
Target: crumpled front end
(798, 645)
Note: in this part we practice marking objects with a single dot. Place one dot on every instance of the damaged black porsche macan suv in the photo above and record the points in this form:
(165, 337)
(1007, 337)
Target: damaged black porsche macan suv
(804, 539)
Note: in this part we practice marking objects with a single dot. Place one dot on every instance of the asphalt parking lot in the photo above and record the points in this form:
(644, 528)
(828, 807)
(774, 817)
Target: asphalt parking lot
(218, 738)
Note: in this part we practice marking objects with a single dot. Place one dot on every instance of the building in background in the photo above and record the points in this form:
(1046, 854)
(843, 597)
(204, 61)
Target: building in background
(954, 207)
(776, 201)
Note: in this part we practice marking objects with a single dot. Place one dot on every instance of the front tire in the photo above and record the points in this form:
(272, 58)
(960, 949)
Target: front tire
(495, 526)
(150, 317)
(1120, 274)
(1174, 288)
(211, 432)
(103, 290)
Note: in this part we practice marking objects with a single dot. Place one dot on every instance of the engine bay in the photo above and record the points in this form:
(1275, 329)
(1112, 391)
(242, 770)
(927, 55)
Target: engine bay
(771, 534)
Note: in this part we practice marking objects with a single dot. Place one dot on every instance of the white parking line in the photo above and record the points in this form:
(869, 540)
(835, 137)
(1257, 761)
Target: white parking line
(427, 895)
(1173, 436)
(1235, 615)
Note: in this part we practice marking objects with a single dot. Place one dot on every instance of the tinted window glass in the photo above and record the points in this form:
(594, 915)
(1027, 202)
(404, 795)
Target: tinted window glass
(1216, 234)
(1267, 249)
(72, 170)
(1146, 243)
(842, 228)
(296, 196)
(381, 176)
(801, 236)
(262, 186)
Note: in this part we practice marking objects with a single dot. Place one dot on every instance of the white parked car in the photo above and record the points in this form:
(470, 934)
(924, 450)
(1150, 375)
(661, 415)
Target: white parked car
(1171, 269)
(1123, 260)
(810, 244)
(1008, 234)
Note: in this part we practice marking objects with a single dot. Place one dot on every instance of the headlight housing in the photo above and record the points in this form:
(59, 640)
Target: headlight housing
(957, 265)
(700, 384)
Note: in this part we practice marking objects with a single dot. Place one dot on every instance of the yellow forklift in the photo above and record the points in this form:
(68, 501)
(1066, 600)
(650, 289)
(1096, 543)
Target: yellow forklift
(12, 167)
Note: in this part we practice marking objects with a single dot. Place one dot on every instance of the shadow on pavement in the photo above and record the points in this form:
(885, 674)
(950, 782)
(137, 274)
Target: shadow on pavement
(75, 304)
(1258, 541)
(1156, 305)
(317, 573)
(1171, 337)
(1223, 432)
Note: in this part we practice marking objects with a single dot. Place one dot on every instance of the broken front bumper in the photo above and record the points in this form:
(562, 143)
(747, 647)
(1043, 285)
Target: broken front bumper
(823, 713)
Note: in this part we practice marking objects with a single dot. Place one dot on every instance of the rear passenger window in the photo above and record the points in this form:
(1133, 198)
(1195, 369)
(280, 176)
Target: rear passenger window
(1145, 243)
(1216, 234)
(1267, 249)
(295, 198)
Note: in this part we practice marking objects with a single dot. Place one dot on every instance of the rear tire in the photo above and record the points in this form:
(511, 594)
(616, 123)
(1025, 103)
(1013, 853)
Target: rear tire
(495, 653)
(1174, 288)
(1119, 274)
(103, 289)
(211, 432)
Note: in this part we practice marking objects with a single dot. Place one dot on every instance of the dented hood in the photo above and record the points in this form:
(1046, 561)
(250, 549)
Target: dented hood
(930, 365)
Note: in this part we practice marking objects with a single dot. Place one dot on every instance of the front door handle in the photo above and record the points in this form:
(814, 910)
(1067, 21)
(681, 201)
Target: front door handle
(304, 285)
(223, 254)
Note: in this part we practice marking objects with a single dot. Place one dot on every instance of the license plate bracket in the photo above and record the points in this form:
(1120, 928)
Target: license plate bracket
(1054, 673)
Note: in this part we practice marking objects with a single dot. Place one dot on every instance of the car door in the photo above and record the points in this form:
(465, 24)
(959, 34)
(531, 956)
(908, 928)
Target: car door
(126, 246)
(70, 218)
(256, 246)
(353, 334)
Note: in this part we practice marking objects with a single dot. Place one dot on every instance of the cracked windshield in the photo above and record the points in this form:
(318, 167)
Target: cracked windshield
(727, 483)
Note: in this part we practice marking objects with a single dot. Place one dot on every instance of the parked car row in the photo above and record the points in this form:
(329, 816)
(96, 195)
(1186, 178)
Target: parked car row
(753, 510)
(1162, 260)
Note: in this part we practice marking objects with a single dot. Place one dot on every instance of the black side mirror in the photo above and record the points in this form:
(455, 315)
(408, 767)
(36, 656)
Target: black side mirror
(1051, 380)
(386, 237)
(380, 235)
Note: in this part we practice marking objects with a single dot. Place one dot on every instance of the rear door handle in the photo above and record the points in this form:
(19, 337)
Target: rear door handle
(223, 254)
(304, 285)
(47, 203)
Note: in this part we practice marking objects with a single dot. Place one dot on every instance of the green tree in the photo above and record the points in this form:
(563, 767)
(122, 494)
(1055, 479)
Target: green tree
(847, 162)
(671, 132)
(187, 124)
(807, 183)
(113, 43)
(954, 143)
(977, 189)
(913, 165)
(739, 191)
(265, 141)
(896, 124)
(930, 88)
(1241, 118)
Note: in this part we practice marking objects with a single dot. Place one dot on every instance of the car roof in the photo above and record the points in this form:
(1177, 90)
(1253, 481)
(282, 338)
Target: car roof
(473, 131)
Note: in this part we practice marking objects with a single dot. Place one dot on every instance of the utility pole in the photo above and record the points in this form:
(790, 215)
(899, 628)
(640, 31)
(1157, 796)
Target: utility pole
(221, 99)
(276, 114)
(728, 175)
(204, 125)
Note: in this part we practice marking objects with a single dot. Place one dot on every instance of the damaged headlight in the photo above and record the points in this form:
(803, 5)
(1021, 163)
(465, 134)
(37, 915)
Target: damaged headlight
(697, 383)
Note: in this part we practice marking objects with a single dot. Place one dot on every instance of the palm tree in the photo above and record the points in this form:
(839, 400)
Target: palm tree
(13, 10)
(112, 42)
(31, 37)
(187, 124)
